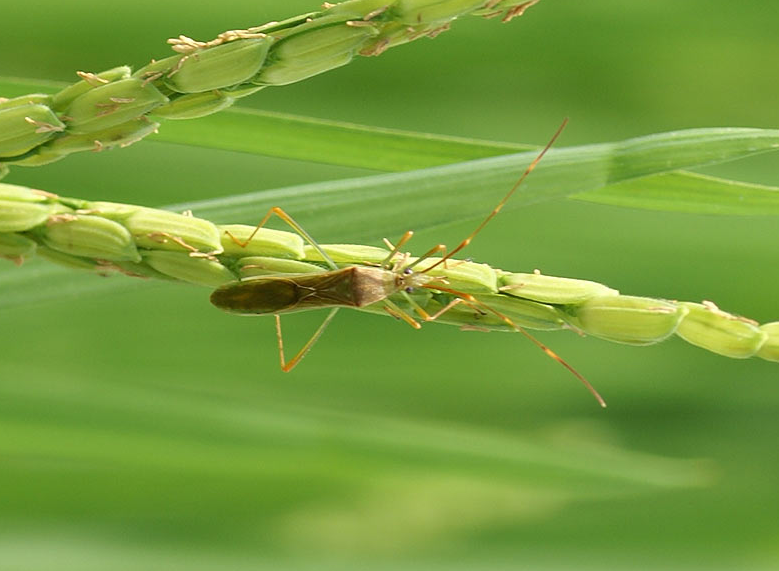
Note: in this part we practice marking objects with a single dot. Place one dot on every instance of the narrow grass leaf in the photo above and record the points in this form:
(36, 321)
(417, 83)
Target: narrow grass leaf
(388, 204)
(330, 142)
(347, 144)
(688, 192)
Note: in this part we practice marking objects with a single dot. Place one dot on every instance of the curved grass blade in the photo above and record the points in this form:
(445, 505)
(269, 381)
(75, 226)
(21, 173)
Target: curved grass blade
(347, 144)
(422, 199)
(331, 142)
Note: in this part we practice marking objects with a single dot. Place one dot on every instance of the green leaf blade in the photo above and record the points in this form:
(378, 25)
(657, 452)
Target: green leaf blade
(331, 142)
(431, 197)
(690, 193)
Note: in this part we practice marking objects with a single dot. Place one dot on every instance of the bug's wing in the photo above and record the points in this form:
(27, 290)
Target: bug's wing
(257, 296)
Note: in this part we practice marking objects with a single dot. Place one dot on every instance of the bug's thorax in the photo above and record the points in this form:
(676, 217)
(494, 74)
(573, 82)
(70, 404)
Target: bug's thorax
(370, 285)
(373, 284)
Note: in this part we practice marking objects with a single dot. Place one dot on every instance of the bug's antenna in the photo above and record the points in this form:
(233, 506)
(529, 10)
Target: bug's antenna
(505, 199)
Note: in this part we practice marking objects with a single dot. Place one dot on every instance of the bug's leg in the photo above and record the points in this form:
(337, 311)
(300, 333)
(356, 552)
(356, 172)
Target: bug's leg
(466, 297)
(387, 262)
(294, 225)
(287, 366)
(440, 312)
(398, 313)
(427, 317)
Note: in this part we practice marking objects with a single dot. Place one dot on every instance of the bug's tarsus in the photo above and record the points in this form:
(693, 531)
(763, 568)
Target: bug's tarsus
(294, 225)
(287, 366)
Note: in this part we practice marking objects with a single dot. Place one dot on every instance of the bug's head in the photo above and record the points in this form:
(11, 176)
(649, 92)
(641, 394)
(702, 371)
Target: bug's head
(406, 279)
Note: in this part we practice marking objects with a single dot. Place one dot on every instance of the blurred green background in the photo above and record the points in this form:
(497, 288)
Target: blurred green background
(145, 430)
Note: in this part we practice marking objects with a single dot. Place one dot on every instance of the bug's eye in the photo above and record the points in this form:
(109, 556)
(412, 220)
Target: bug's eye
(409, 289)
(407, 272)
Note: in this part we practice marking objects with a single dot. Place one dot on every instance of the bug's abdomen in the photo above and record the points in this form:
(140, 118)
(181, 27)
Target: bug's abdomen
(256, 296)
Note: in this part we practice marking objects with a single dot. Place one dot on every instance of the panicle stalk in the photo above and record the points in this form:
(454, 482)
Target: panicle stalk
(112, 238)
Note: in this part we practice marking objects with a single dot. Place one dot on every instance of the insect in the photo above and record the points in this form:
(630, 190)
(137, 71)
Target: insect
(359, 286)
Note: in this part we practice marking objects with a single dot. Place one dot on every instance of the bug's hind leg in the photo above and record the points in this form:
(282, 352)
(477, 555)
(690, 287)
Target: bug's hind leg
(474, 302)
(287, 366)
(294, 225)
